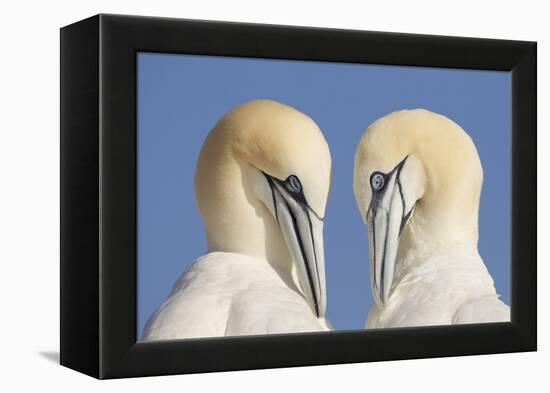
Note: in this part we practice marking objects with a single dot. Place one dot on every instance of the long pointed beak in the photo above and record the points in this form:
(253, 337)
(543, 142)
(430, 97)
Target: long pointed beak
(303, 232)
(385, 219)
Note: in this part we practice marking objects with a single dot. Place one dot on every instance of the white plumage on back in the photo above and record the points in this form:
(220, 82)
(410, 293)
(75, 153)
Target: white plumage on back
(227, 294)
(441, 290)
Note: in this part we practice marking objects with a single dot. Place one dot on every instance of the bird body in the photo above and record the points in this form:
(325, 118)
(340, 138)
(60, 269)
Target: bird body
(227, 294)
(441, 290)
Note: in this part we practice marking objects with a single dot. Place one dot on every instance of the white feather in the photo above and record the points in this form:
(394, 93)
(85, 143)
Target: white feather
(227, 294)
(441, 290)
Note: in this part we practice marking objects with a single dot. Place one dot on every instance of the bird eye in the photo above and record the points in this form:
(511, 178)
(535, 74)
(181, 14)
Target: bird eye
(377, 181)
(293, 184)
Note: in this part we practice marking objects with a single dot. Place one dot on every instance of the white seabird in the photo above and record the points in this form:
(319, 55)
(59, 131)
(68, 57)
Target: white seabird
(261, 184)
(417, 183)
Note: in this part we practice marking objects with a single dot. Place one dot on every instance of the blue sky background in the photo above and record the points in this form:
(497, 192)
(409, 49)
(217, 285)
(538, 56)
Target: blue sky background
(180, 98)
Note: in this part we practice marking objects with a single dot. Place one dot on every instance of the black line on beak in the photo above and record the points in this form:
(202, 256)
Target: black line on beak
(384, 255)
(303, 253)
(404, 220)
(314, 253)
(405, 217)
(272, 187)
(374, 250)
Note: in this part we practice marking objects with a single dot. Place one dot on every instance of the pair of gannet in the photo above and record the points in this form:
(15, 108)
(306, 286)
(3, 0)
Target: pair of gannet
(262, 183)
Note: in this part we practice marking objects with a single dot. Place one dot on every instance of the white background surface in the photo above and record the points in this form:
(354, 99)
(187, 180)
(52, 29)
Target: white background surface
(29, 195)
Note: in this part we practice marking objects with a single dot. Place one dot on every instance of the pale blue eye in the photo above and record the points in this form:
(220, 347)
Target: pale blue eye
(293, 184)
(377, 181)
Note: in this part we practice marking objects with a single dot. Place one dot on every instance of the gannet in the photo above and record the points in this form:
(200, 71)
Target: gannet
(261, 185)
(417, 183)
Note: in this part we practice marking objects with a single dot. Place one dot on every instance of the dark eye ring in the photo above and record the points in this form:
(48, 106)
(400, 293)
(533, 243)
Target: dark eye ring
(293, 184)
(377, 181)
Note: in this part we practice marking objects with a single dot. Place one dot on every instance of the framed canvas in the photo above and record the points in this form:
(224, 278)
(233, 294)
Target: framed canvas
(216, 179)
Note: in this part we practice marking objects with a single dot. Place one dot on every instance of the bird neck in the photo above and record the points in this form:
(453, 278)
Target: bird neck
(238, 222)
(437, 231)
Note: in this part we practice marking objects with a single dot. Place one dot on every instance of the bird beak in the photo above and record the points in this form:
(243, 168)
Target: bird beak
(385, 218)
(303, 233)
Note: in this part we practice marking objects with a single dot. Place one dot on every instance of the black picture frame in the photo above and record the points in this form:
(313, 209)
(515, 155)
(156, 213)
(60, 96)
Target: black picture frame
(98, 196)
